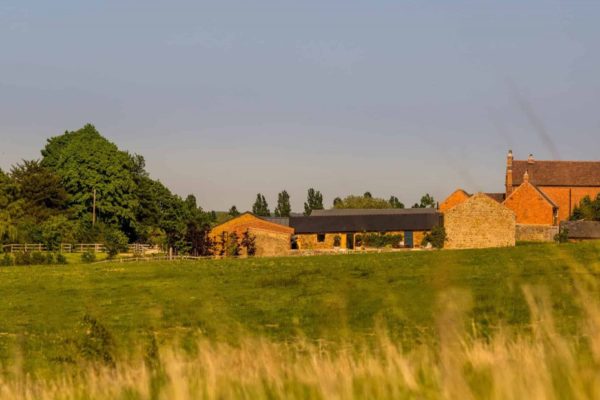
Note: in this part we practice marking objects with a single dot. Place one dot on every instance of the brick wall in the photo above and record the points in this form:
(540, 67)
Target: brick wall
(456, 198)
(535, 233)
(530, 206)
(566, 198)
(478, 223)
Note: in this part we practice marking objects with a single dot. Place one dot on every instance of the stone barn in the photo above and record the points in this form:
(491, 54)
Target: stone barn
(479, 222)
(271, 239)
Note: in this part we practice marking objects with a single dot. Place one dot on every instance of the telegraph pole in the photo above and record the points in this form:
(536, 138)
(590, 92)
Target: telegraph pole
(94, 209)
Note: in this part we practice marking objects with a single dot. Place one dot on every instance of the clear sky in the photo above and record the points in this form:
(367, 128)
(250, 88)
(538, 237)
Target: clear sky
(229, 98)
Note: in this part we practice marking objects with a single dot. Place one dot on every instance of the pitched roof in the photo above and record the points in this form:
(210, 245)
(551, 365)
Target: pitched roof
(389, 220)
(499, 197)
(582, 229)
(557, 173)
(535, 188)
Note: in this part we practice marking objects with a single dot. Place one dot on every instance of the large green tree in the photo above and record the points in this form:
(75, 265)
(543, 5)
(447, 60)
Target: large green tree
(427, 201)
(587, 209)
(88, 163)
(284, 207)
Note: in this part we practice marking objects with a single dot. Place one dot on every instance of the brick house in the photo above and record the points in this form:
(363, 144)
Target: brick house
(545, 192)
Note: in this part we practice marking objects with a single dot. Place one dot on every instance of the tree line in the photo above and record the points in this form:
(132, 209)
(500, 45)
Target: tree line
(314, 201)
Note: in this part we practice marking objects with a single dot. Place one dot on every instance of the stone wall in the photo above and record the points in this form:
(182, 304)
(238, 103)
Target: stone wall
(270, 244)
(479, 222)
(535, 233)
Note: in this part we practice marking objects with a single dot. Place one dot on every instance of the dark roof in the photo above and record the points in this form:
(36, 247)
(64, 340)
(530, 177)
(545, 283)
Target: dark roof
(371, 211)
(499, 197)
(557, 173)
(582, 229)
(421, 219)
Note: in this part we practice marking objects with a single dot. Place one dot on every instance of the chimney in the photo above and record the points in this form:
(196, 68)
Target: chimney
(509, 177)
(530, 159)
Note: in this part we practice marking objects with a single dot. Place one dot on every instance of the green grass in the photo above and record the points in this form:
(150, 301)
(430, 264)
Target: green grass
(334, 298)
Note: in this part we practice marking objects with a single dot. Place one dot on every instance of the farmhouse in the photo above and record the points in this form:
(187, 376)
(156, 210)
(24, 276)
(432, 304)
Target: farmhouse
(549, 189)
(478, 222)
(326, 229)
(271, 239)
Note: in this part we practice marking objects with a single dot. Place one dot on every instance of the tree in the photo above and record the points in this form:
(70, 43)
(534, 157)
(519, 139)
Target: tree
(40, 189)
(395, 203)
(437, 237)
(587, 209)
(283, 208)
(368, 195)
(261, 207)
(353, 201)
(87, 162)
(314, 201)
(233, 211)
(336, 202)
(427, 201)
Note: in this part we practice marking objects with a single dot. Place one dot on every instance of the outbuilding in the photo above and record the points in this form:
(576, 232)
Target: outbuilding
(479, 222)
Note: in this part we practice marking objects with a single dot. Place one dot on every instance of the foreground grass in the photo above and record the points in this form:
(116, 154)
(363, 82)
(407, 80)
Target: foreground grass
(55, 319)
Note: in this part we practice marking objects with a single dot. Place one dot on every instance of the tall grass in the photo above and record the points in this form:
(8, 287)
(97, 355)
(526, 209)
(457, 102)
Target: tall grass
(457, 362)
(540, 364)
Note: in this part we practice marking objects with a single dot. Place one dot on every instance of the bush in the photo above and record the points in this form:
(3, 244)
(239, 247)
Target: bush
(22, 258)
(6, 261)
(379, 240)
(88, 257)
(562, 236)
(115, 242)
(337, 241)
(37, 258)
(61, 259)
(49, 258)
(437, 237)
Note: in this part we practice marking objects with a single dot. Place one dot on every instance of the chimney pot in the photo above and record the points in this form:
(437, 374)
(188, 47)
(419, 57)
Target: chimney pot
(531, 160)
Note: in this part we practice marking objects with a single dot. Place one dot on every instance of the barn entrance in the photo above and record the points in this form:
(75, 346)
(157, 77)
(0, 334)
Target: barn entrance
(350, 241)
(409, 240)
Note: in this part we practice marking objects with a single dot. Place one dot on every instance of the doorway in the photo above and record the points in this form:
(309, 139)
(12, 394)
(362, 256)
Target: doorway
(350, 241)
(409, 239)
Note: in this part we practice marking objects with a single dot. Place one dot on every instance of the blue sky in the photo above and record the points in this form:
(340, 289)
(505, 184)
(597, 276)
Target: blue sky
(229, 98)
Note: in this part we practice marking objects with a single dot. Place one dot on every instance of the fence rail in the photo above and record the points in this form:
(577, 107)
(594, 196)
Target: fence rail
(64, 248)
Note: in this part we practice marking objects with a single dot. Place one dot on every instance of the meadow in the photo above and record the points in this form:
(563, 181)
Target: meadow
(494, 323)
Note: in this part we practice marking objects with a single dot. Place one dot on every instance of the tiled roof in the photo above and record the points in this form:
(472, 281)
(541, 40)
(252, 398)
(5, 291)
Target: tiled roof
(499, 197)
(557, 173)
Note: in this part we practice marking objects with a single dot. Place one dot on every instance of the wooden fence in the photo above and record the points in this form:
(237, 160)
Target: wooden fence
(64, 248)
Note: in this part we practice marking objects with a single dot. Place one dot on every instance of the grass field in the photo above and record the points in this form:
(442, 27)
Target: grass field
(57, 318)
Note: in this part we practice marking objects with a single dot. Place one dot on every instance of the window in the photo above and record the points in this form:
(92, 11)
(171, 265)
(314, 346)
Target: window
(320, 238)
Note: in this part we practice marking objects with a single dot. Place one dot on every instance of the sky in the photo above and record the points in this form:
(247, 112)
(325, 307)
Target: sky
(226, 99)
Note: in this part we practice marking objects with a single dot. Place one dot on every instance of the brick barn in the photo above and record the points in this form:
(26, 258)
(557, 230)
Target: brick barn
(271, 239)
(319, 230)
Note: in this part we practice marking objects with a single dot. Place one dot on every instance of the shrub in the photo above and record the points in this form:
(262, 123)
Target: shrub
(23, 258)
(6, 261)
(88, 257)
(37, 258)
(562, 236)
(379, 240)
(232, 247)
(337, 241)
(437, 237)
(49, 258)
(61, 259)
(115, 242)
(249, 243)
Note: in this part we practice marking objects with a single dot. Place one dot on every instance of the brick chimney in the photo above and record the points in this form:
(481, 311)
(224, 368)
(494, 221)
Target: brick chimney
(509, 172)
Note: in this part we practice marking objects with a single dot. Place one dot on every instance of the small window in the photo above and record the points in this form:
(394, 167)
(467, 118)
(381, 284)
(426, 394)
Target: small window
(320, 237)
